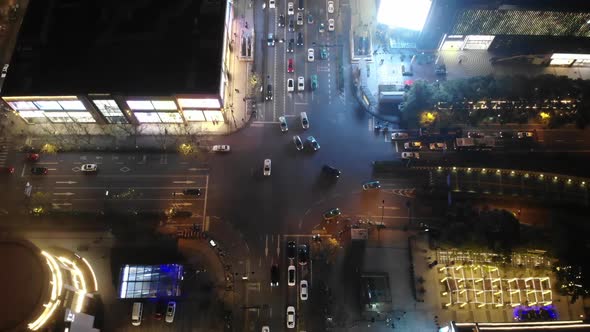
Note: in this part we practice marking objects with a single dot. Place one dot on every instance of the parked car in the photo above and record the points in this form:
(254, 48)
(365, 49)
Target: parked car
(39, 170)
(525, 134)
(89, 168)
(303, 290)
(283, 124)
(192, 192)
(221, 148)
(332, 213)
(274, 275)
(371, 185)
(332, 171)
(413, 145)
(304, 120)
(410, 155)
(438, 146)
(474, 134)
(266, 167)
(399, 136)
(313, 143)
(290, 85)
(170, 312)
(298, 142)
(160, 310)
(291, 275)
(506, 134)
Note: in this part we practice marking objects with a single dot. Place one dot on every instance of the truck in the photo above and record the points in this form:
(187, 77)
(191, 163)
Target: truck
(475, 144)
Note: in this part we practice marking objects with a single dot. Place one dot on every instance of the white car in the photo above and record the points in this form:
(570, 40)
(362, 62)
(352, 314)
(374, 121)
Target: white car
(5, 70)
(266, 168)
(271, 4)
(283, 124)
(290, 85)
(331, 24)
(399, 136)
(220, 148)
(88, 168)
(303, 290)
(290, 10)
(265, 329)
(310, 55)
(304, 120)
(299, 18)
(170, 311)
(300, 83)
(331, 7)
(291, 275)
(290, 317)
(298, 142)
(410, 155)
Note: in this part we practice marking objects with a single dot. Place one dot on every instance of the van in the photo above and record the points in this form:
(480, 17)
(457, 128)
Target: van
(136, 313)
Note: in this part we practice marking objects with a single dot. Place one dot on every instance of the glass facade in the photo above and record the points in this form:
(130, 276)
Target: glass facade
(150, 281)
(64, 109)
(110, 110)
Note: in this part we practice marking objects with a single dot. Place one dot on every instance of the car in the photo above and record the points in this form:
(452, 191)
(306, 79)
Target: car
(399, 136)
(374, 184)
(283, 124)
(413, 145)
(299, 39)
(331, 214)
(314, 82)
(300, 84)
(303, 254)
(170, 311)
(313, 143)
(304, 120)
(299, 18)
(410, 155)
(309, 19)
(291, 275)
(291, 248)
(291, 25)
(506, 134)
(322, 27)
(221, 148)
(290, 66)
(290, 45)
(331, 7)
(7, 170)
(39, 170)
(89, 168)
(270, 40)
(281, 22)
(33, 157)
(310, 55)
(331, 24)
(303, 290)
(268, 92)
(331, 171)
(271, 4)
(437, 146)
(266, 328)
(298, 142)
(159, 310)
(274, 275)
(5, 70)
(474, 134)
(323, 53)
(192, 192)
(525, 134)
(290, 10)
(290, 85)
(290, 317)
(266, 167)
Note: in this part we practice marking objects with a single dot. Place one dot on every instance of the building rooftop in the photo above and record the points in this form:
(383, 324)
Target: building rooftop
(132, 47)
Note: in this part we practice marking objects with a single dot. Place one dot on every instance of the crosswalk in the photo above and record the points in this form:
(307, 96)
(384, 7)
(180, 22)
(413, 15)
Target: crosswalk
(4, 143)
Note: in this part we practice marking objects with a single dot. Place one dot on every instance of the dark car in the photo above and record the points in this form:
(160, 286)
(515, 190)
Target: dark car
(291, 250)
(192, 192)
(290, 45)
(39, 170)
(303, 254)
(506, 134)
(159, 310)
(281, 20)
(332, 213)
(331, 171)
(299, 39)
(269, 92)
(274, 275)
(291, 25)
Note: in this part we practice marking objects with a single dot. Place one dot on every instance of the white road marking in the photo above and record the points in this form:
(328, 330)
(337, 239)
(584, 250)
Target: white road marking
(186, 182)
(66, 182)
(47, 163)
(64, 194)
(206, 193)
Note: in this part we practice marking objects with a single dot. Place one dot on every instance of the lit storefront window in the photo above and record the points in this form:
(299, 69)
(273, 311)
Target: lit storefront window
(170, 117)
(193, 115)
(199, 103)
(110, 110)
(213, 115)
(37, 109)
(147, 117)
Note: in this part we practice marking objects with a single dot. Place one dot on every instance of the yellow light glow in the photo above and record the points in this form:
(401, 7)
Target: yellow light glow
(544, 115)
(95, 289)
